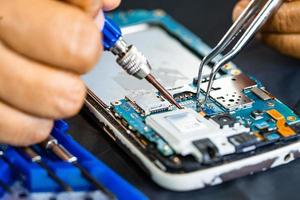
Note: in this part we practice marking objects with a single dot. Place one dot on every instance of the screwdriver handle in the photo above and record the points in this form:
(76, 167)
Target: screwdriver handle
(111, 33)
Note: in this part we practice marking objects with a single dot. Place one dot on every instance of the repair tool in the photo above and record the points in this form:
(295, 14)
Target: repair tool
(240, 33)
(7, 161)
(5, 187)
(130, 59)
(52, 144)
(31, 154)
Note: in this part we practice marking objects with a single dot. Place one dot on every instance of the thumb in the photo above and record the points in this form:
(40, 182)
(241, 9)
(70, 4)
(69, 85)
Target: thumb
(287, 44)
(239, 8)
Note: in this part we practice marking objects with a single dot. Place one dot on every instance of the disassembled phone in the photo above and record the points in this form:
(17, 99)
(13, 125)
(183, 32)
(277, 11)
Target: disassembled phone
(241, 130)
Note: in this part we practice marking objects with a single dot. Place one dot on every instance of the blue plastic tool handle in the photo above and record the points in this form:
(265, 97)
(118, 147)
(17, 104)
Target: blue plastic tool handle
(35, 175)
(111, 33)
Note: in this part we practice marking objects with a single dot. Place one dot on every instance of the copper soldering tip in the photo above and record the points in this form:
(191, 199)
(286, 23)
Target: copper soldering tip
(150, 78)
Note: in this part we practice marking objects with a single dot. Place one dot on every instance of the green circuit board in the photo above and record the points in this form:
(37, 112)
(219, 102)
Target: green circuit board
(262, 125)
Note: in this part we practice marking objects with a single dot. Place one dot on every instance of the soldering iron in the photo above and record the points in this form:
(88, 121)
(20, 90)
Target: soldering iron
(130, 59)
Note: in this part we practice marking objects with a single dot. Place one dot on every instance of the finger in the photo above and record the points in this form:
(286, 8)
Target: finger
(285, 20)
(39, 89)
(93, 6)
(20, 129)
(89, 6)
(110, 4)
(51, 32)
(287, 44)
(239, 8)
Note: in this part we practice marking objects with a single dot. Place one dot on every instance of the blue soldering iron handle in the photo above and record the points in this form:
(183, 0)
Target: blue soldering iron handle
(111, 33)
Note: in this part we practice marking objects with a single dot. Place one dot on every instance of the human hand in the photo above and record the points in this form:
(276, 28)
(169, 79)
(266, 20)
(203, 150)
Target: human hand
(45, 45)
(282, 31)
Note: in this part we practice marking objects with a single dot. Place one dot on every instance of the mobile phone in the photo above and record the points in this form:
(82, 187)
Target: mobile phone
(241, 130)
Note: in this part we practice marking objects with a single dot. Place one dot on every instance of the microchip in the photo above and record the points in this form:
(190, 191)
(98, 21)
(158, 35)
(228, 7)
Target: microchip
(257, 114)
(262, 126)
(149, 102)
(272, 136)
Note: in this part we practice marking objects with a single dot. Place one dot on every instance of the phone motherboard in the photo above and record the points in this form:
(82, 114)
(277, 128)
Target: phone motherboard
(240, 118)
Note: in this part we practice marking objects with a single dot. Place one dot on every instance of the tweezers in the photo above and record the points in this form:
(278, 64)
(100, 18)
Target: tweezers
(240, 33)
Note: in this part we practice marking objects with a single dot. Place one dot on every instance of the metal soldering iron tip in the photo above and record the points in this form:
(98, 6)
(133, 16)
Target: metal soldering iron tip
(162, 90)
